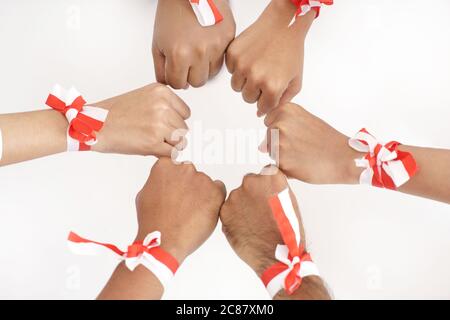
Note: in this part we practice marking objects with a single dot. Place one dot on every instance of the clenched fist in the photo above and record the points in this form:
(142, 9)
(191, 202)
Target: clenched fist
(146, 121)
(180, 202)
(308, 148)
(252, 231)
(184, 52)
(266, 60)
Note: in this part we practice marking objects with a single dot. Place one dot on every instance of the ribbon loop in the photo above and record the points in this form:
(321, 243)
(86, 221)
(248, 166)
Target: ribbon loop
(294, 262)
(304, 6)
(385, 166)
(147, 252)
(206, 12)
(84, 121)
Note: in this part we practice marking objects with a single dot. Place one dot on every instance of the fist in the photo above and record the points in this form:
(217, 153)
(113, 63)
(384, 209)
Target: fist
(146, 121)
(184, 52)
(248, 222)
(266, 60)
(308, 148)
(180, 202)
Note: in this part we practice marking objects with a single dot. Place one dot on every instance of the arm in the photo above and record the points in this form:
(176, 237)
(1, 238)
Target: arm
(251, 230)
(190, 201)
(31, 135)
(433, 179)
(266, 59)
(139, 284)
(184, 52)
(146, 121)
(312, 151)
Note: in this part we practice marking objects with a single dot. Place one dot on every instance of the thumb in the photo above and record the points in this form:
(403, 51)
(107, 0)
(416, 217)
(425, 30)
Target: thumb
(222, 187)
(159, 62)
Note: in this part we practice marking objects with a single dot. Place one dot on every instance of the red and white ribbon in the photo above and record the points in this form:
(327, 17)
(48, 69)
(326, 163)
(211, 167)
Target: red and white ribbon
(84, 121)
(147, 252)
(385, 165)
(304, 6)
(294, 262)
(206, 12)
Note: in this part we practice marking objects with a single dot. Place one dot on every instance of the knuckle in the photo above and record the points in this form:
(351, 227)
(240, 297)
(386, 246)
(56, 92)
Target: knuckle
(272, 87)
(200, 51)
(180, 52)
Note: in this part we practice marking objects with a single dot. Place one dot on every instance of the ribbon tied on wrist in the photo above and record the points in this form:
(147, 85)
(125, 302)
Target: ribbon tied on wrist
(147, 253)
(294, 262)
(385, 165)
(304, 6)
(84, 121)
(206, 12)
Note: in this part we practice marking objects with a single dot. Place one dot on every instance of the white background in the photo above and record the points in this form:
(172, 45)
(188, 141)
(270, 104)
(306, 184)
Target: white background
(375, 63)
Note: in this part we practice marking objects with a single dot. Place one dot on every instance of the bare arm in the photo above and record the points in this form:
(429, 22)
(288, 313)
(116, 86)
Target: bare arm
(190, 201)
(139, 122)
(312, 151)
(433, 179)
(31, 135)
(139, 284)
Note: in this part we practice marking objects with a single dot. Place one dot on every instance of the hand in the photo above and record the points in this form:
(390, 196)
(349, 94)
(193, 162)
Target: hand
(180, 202)
(247, 220)
(184, 52)
(146, 121)
(266, 60)
(309, 149)
(252, 232)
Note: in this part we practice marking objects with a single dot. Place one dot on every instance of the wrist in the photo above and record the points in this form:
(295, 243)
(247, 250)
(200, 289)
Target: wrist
(167, 245)
(347, 171)
(312, 288)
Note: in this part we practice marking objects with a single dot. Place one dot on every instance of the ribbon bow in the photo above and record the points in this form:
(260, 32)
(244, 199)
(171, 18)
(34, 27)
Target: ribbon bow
(147, 252)
(304, 6)
(84, 121)
(206, 12)
(385, 165)
(294, 262)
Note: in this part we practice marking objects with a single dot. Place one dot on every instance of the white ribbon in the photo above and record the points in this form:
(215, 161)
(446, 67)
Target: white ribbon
(385, 159)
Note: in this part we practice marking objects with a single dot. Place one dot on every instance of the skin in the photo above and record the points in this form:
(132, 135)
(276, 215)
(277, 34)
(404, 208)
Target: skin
(252, 232)
(266, 60)
(183, 204)
(184, 52)
(311, 150)
(141, 122)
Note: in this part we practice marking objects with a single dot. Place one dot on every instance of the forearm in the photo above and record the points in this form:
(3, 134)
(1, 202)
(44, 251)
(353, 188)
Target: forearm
(139, 284)
(31, 135)
(431, 181)
(433, 178)
(283, 12)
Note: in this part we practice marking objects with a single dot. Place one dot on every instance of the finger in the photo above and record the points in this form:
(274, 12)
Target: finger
(250, 92)
(198, 74)
(270, 98)
(292, 90)
(182, 144)
(215, 67)
(222, 187)
(159, 62)
(165, 150)
(269, 170)
(230, 59)
(180, 106)
(272, 116)
(176, 72)
(237, 81)
(175, 121)
(273, 143)
(174, 136)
